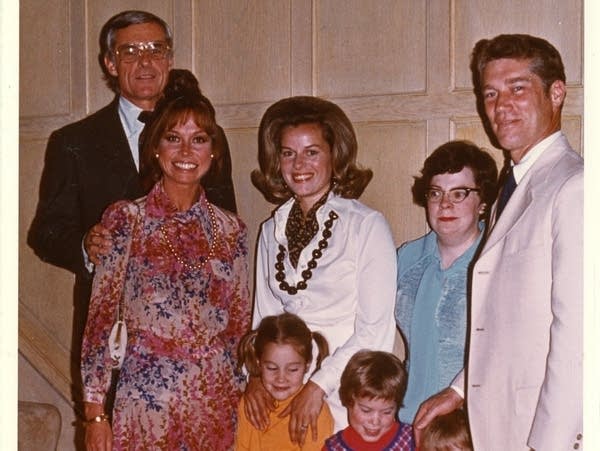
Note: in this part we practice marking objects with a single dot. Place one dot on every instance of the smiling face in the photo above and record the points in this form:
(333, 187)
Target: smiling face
(282, 370)
(455, 223)
(141, 81)
(519, 110)
(372, 418)
(305, 160)
(184, 155)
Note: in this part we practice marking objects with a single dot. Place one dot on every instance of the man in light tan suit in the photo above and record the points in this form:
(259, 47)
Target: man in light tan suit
(523, 379)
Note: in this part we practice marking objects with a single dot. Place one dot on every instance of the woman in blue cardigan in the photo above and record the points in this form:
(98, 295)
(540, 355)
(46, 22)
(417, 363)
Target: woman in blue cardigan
(457, 186)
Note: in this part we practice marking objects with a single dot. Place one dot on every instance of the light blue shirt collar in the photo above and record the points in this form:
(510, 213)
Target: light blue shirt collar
(128, 113)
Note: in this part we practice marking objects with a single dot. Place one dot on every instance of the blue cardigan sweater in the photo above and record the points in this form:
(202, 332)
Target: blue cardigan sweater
(431, 312)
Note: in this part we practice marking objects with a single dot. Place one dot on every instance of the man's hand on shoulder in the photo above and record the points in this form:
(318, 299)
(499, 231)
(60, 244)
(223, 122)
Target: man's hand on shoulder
(446, 401)
(97, 242)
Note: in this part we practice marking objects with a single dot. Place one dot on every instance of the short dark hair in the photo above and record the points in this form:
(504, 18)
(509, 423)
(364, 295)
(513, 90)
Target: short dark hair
(117, 22)
(349, 179)
(181, 99)
(448, 431)
(452, 157)
(373, 374)
(546, 62)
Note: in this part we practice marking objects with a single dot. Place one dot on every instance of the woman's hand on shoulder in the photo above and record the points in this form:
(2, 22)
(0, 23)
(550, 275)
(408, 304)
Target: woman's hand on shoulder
(258, 403)
(304, 412)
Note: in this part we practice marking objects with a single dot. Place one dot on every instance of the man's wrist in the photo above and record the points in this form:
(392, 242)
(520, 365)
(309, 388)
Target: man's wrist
(86, 259)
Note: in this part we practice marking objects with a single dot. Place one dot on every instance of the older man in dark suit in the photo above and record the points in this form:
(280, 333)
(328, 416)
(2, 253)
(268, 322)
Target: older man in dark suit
(94, 162)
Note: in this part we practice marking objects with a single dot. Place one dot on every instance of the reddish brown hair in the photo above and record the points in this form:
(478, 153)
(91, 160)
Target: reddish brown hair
(286, 328)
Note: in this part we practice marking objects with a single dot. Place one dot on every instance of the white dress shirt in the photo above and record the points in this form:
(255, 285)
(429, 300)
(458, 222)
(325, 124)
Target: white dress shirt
(521, 168)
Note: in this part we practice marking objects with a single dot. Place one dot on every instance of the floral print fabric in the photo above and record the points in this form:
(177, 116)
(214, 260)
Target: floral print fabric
(178, 387)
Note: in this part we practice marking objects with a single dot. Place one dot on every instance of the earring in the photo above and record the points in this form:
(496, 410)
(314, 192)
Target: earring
(212, 155)
(482, 209)
(156, 155)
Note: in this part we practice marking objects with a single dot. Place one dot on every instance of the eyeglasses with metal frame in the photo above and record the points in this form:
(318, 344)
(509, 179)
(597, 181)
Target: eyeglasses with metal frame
(455, 195)
(132, 51)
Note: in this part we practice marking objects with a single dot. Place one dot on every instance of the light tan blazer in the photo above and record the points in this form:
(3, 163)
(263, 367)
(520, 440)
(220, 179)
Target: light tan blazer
(524, 368)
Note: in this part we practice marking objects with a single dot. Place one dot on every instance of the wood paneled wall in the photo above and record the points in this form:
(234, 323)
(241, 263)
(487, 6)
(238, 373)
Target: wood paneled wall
(399, 68)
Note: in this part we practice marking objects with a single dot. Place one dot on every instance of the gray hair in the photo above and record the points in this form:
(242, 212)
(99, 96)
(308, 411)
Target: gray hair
(118, 22)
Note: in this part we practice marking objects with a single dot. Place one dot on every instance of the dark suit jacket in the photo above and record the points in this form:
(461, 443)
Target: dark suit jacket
(88, 166)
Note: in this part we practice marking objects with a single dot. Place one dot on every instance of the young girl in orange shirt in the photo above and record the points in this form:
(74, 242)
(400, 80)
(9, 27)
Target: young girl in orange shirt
(280, 353)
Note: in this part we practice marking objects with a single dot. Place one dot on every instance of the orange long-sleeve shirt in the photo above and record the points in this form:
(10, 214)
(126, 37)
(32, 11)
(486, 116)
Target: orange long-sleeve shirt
(276, 437)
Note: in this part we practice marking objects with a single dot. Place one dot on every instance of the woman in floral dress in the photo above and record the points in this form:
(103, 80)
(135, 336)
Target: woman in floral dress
(185, 294)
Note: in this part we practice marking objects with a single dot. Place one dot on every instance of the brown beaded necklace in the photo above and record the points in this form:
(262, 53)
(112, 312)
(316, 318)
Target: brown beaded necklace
(211, 251)
(312, 263)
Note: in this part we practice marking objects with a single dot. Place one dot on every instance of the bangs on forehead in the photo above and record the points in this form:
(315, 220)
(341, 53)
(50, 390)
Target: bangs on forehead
(372, 396)
(202, 119)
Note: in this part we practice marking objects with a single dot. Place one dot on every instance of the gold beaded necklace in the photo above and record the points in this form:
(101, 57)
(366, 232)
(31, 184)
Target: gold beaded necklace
(211, 251)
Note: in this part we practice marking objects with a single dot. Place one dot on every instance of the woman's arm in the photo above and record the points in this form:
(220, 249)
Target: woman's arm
(107, 288)
(374, 325)
(239, 305)
(265, 303)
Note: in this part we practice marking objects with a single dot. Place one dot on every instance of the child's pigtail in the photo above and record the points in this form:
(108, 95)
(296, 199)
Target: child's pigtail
(323, 348)
(247, 354)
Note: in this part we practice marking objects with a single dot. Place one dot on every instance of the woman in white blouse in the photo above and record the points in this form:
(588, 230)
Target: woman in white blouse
(323, 255)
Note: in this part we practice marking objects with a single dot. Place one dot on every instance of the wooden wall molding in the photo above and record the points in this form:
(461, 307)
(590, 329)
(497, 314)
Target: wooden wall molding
(44, 352)
(398, 69)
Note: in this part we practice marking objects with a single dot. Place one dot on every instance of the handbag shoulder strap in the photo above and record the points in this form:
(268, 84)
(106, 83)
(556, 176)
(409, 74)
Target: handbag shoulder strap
(137, 209)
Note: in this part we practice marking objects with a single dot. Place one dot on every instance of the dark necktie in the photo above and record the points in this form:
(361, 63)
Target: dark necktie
(508, 188)
(145, 116)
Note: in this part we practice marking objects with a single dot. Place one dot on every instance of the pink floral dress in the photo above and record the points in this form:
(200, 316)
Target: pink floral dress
(178, 387)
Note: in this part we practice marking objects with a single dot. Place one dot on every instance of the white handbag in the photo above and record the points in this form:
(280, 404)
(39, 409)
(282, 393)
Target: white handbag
(117, 340)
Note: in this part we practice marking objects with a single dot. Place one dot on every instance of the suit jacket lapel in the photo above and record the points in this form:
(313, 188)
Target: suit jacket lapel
(113, 140)
(530, 186)
(113, 144)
